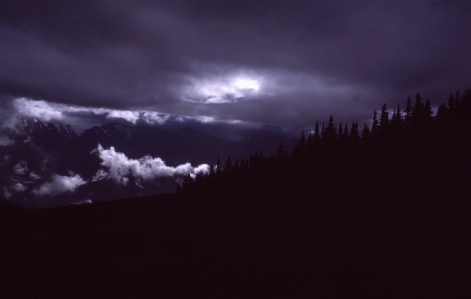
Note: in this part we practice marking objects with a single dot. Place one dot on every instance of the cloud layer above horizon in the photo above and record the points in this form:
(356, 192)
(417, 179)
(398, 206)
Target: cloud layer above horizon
(269, 62)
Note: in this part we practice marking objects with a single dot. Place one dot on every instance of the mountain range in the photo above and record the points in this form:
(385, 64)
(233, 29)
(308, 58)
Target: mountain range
(35, 152)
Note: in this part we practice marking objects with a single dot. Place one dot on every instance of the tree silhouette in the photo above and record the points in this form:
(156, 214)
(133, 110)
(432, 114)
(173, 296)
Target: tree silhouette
(408, 111)
(374, 127)
(384, 118)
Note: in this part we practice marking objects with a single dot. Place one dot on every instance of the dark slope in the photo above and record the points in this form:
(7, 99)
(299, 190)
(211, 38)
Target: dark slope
(276, 245)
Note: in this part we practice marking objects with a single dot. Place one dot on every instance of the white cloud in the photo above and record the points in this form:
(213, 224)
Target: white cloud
(44, 164)
(130, 116)
(38, 109)
(5, 141)
(205, 119)
(60, 184)
(153, 118)
(203, 168)
(6, 193)
(21, 168)
(47, 111)
(34, 176)
(18, 187)
(28, 140)
(119, 167)
(225, 89)
(81, 202)
(100, 175)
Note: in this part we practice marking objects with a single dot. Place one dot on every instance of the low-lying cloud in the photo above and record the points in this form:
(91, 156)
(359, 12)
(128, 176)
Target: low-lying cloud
(119, 168)
(60, 184)
(21, 168)
(6, 141)
(82, 117)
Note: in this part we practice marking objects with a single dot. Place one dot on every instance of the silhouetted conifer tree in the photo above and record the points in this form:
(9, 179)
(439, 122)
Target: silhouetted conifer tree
(457, 98)
(428, 111)
(310, 143)
(365, 134)
(302, 142)
(228, 164)
(323, 132)
(354, 135)
(418, 109)
(374, 127)
(408, 111)
(384, 118)
(451, 103)
(330, 132)
(396, 119)
(442, 112)
(218, 166)
(280, 152)
(211, 169)
(340, 132)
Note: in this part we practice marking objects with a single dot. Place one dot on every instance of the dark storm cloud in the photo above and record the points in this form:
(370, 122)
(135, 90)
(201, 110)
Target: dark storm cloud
(311, 58)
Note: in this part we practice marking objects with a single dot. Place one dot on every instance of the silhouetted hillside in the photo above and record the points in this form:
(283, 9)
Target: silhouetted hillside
(403, 153)
(377, 213)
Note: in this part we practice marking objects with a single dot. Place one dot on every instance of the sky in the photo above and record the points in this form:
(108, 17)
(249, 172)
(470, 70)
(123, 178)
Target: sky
(282, 63)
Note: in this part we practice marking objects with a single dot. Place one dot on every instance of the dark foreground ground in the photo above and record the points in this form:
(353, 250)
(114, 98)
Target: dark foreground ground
(274, 246)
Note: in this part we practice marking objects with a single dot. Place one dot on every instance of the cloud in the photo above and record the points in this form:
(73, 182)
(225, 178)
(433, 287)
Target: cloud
(59, 184)
(18, 187)
(221, 89)
(81, 202)
(5, 140)
(34, 176)
(153, 118)
(200, 169)
(21, 168)
(6, 193)
(119, 167)
(38, 109)
(130, 116)
(48, 111)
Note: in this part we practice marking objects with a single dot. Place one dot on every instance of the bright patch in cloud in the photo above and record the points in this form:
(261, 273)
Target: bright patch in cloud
(247, 84)
(60, 184)
(219, 90)
(119, 167)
